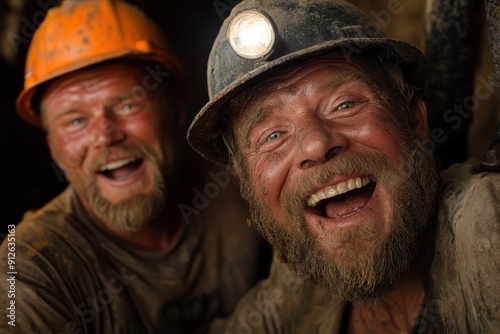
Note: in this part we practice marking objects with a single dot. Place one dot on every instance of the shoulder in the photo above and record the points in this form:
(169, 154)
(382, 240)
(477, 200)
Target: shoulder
(49, 243)
(472, 200)
(51, 265)
(464, 179)
(49, 227)
(466, 266)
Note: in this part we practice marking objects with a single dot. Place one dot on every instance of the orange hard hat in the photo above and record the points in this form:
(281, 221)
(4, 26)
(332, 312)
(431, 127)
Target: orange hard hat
(80, 33)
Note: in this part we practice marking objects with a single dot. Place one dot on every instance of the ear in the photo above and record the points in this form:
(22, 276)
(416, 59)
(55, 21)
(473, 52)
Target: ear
(419, 110)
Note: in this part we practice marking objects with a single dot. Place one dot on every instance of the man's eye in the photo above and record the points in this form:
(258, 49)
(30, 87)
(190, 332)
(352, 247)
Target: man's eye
(75, 122)
(274, 135)
(346, 105)
(127, 108)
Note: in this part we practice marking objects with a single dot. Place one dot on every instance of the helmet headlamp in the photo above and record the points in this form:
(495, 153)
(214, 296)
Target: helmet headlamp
(251, 34)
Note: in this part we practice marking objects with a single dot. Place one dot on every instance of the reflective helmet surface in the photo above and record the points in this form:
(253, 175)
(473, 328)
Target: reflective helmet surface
(81, 33)
(301, 29)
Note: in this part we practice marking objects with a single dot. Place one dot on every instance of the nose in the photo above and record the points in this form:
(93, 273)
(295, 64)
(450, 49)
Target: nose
(103, 131)
(317, 143)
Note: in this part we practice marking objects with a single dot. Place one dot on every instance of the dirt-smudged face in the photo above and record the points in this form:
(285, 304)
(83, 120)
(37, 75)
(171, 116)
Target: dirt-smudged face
(340, 190)
(113, 138)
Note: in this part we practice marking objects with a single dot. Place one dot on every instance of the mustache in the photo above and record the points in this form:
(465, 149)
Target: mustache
(374, 165)
(134, 152)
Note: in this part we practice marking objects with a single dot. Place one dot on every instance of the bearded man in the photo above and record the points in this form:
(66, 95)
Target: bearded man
(114, 253)
(324, 121)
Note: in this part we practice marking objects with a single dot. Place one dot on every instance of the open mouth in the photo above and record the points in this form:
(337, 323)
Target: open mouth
(120, 170)
(343, 199)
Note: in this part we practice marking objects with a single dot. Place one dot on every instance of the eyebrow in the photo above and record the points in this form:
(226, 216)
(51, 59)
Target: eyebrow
(345, 78)
(124, 96)
(65, 111)
(114, 100)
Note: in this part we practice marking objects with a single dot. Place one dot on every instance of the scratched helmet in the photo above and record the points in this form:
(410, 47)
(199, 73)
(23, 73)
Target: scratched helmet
(260, 36)
(81, 33)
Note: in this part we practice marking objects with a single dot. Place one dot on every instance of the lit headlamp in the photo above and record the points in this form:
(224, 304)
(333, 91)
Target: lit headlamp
(251, 34)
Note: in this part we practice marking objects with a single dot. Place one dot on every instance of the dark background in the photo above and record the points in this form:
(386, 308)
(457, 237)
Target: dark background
(28, 176)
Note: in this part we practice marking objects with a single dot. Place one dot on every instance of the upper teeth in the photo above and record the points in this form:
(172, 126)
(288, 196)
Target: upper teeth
(115, 164)
(337, 189)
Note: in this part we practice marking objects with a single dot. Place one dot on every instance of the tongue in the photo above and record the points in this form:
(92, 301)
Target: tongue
(347, 204)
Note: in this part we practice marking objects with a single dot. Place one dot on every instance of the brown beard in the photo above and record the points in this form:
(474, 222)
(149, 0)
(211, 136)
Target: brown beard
(357, 274)
(129, 215)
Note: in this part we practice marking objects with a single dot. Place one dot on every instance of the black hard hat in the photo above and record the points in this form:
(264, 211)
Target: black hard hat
(287, 32)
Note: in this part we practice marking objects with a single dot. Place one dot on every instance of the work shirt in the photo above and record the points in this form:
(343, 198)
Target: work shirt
(71, 275)
(461, 280)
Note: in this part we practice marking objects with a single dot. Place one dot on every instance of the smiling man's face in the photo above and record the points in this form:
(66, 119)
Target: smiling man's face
(340, 190)
(114, 141)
